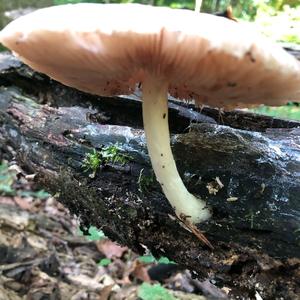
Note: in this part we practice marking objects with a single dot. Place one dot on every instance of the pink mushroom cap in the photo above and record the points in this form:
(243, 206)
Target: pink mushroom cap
(106, 49)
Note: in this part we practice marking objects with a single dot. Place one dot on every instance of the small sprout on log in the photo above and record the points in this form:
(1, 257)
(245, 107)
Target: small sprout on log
(263, 187)
(112, 154)
(145, 181)
(219, 182)
(109, 154)
(250, 217)
(92, 162)
(297, 234)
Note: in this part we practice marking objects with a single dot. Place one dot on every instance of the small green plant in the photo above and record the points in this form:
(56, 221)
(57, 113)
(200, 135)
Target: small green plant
(154, 292)
(112, 154)
(291, 38)
(39, 194)
(289, 111)
(149, 259)
(250, 217)
(95, 234)
(104, 262)
(165, 260)
(7, 179)
(145, 181)
(92, 161)
(109, 154)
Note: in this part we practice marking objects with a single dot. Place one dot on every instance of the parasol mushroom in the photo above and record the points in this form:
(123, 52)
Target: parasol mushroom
(106, 49)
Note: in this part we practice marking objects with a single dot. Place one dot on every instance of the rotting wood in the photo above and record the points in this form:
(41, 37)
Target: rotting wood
(257, 236)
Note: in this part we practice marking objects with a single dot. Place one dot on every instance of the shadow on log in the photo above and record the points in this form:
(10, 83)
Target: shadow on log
(249, 177)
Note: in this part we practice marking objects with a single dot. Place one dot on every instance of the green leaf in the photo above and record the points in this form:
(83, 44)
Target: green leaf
(59, 2)
(39, 194)
(113, 154)
(6, 180)
(92, 161)
(95, 234)
(5, 188)
(165, 260)
(147, 259)
(289, 111)
(109, 154)
(104, 262)
(154, 292)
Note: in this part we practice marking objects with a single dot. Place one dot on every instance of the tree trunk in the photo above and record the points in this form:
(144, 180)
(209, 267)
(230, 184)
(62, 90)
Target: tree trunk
(245, 166)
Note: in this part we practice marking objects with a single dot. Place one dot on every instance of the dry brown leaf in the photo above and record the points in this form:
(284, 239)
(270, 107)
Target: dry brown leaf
(136, 270)
(6, 201)
(140, 272)
(23, 203)
(105, 292)
(110, 249)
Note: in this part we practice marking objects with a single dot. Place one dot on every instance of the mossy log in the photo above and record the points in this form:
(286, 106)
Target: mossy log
(245, 166)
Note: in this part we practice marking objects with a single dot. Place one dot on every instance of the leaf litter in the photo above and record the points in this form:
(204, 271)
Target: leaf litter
(44, 255)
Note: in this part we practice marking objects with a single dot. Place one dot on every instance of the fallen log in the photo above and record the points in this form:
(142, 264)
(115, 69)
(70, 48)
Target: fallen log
(247, 171)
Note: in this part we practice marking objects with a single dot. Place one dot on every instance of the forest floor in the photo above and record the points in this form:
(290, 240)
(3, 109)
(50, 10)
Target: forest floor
(44, 254)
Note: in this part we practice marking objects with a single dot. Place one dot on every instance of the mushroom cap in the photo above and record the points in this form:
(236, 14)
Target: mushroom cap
(106, 49)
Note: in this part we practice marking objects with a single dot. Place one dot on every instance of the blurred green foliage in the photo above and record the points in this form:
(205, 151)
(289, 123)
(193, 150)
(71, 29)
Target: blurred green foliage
(95, 234)
(7, 179)
(289, 111)
(246, 9)
(147, 291)
(149, 259)
(104, 262)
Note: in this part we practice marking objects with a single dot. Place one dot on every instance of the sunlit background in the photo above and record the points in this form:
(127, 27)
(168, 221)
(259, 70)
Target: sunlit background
(277, 19)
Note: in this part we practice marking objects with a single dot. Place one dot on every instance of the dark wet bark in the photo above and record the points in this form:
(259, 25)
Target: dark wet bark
(255, 227)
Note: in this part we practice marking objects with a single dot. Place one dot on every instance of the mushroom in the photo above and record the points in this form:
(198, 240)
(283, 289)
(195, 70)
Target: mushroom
(198, 4)
(106, 49)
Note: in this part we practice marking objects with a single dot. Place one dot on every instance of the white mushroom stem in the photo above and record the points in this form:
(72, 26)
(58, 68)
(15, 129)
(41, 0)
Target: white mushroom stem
(198, 5)
(155, 115)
